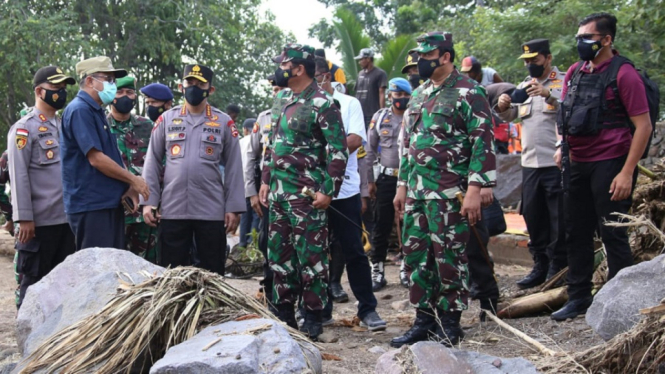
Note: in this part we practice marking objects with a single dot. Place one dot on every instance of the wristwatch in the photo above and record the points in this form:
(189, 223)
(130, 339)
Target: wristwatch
(558, 144)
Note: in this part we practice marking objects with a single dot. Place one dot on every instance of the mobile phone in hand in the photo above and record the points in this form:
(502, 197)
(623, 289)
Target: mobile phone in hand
(128, 204)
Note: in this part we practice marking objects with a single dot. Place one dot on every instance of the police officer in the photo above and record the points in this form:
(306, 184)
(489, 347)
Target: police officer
(383, 130)
(542, 196)
(133, 135)
(411, 70)
(44, 237)
(158, 99)
(257, 143)
(448, 149)
(195, 202)
(306, 148)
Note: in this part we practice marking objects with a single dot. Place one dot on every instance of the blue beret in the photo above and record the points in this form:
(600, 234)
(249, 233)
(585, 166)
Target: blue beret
(158, 91)
(399, 84)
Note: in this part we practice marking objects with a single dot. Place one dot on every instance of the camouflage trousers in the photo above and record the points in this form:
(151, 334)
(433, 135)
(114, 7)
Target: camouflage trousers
(435, 237)
(141, 240)
(297, 242)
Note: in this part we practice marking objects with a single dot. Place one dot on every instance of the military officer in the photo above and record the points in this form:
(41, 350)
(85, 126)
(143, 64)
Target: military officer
(195, 202)
(257, 143)
(411, 70)
(158, 99)
(133, 135)
(542, 195)
(384, 129)
(448, 148)
(306, 148)
(44, 237)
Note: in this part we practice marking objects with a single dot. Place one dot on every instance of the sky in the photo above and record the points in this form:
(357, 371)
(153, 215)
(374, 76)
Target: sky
(297, 16)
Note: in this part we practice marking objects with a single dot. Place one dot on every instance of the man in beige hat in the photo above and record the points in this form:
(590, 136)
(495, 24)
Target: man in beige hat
(94, 179)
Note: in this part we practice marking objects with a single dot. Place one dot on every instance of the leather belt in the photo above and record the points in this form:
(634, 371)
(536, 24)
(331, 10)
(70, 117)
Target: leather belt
(389, 171)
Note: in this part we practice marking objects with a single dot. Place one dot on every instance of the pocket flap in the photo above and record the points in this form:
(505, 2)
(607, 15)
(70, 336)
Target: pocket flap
(210, 138)
(174, 136)
(48, 143)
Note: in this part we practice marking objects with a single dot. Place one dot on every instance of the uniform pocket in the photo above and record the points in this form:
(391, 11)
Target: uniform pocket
(28, 258)
(442, 119)
(49, 151)
(211, 147)
(387, 136)
(175, 144)
(524, 110)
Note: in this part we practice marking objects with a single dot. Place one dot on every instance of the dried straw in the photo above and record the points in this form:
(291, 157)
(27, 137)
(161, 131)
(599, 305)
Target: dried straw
(142, 321)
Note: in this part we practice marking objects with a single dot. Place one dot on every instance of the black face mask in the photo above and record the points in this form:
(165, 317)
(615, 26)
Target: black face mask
(123, 104)
(155, 111)
(588, 49)
(400, 104)
(282, 77)
(536, 71)
(426, 67)
(195, 95)
(415, 80)
(55, 99)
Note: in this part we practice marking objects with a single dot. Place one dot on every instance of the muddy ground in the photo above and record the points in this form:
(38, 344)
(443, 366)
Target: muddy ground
(353, 346)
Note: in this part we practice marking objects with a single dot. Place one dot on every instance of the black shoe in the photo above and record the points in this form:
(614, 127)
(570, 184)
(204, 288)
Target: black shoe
(448, 330)
(572, 309)
(490, 305)
(537, 275)
(313, 325)
(378, 276)
(403, 276)
(338, 293)
(287, 315)
(422, 327)
(373, 322)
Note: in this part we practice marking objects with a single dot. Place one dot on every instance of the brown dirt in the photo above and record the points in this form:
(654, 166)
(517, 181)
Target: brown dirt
(353, 346)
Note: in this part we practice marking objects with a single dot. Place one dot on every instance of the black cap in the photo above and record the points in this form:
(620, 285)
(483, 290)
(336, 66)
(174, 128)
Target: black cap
(51, 74)
(411, 60)
(200, 72)
(532, 48)
(249, 123)
(320, 53)
(271, 79)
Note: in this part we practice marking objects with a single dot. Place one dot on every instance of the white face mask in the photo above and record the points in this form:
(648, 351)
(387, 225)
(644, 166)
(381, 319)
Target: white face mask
(338, 87)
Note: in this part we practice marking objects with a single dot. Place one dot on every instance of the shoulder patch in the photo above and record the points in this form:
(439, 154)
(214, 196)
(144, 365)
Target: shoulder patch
(232, 126)
(256, 127)
(21, 138)
(157, 123)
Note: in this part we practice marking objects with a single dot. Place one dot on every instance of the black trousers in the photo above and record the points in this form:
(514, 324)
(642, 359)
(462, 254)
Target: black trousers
(357, 264)
(263, 247)
(386, 188)
(542, 208)
(103, 228)
(209, 236)
(36, 258)
(588, 206)
(481, 270)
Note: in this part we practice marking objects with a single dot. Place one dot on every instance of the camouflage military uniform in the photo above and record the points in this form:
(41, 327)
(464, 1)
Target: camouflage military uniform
(306, 148)
(133, 137)
(450, 146)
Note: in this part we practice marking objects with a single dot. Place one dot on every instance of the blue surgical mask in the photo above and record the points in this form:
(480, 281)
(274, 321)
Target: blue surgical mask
(107, 95)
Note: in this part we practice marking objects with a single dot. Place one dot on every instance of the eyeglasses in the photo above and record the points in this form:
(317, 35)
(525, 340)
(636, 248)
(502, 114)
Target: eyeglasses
(105, 78)
(581, 37)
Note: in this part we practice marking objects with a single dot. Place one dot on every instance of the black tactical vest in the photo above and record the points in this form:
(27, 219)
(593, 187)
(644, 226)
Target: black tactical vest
(585, 110)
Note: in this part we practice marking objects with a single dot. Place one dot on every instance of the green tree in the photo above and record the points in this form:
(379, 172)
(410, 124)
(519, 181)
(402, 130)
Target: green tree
(394, 55)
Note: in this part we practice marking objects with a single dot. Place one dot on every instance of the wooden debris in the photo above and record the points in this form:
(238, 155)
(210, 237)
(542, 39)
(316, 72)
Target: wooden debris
(330, 357)
(541, 348)
(211, 344)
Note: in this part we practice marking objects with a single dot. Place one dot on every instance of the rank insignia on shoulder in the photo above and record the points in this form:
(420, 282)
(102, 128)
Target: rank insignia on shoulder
(43, 118)
(176, 121)
(212, 124)
(552, 75)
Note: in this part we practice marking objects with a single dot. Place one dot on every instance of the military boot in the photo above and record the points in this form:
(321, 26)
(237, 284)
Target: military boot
(448, 329)
(287, 315)
(422, 327)
(538, 274)
(313, 325)
(378, 276)
(489, 304)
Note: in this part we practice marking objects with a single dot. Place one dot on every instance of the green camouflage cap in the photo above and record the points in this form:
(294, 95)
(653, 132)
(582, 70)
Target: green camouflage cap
(126, 82)
(433, 40)
(295, 50)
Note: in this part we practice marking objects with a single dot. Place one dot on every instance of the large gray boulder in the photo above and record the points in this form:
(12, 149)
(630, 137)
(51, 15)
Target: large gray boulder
(426, 358)
(486, 364)
(272, 351)
(616, 306)
(508, 188)
(78, 287)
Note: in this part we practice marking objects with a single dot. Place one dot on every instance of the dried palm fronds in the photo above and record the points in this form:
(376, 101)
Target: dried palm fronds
(142, 321)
